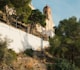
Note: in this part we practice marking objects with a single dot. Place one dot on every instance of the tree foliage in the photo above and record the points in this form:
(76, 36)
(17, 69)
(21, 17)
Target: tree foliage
(37, 17)
(66, 43)
(21, 6)
(62, 64)
(4, 2)
(6, 55)
(20, 3)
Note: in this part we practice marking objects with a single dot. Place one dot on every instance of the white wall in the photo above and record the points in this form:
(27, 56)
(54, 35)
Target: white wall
(21, 40)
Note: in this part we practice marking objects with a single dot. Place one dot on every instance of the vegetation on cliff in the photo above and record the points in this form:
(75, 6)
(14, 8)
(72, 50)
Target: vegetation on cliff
(21, 6)
(66, 43)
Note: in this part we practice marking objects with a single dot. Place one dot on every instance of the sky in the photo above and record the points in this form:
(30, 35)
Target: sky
(61, 9)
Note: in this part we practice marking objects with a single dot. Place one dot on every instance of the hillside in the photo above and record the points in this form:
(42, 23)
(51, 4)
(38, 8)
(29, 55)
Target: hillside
(25, 63)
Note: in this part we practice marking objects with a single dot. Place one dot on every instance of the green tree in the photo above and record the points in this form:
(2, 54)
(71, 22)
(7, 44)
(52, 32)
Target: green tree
(3, 3)
(3, 45)
(21, 6)
(62, 64)
(6, 55)
(36, 17)
(66, 44)
(20, 3)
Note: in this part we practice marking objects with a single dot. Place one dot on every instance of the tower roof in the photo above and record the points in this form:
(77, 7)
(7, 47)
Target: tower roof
(46, 8)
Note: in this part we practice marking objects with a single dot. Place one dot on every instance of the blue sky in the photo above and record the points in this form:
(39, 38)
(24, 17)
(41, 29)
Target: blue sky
(61, 9)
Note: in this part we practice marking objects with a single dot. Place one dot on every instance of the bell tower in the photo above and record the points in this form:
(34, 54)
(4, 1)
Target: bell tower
(49, 21)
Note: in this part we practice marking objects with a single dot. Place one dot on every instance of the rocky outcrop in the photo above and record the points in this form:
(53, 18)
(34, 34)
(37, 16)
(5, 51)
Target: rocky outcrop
(25, 63)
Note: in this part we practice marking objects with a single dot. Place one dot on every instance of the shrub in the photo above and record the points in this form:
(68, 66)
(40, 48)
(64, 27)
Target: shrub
(29, 52)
